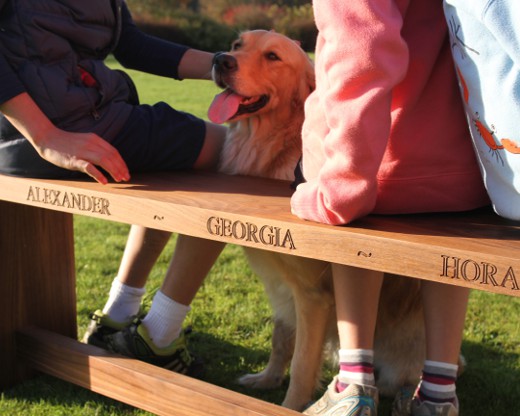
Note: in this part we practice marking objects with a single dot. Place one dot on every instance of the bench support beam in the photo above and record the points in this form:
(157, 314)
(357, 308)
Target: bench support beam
(37, 279)
(142, 385)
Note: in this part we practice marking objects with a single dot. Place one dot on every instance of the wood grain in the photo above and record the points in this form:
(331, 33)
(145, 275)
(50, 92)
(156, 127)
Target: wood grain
(142, 385)
(475, 249)
(478, 249)
(37, 280)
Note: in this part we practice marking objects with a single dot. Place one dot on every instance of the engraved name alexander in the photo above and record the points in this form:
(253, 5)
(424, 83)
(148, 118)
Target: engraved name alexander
(80, 202)
(482, 273)
(267, 235)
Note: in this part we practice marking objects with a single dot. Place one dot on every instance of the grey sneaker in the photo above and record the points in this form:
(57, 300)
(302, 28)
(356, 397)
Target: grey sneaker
(134, 341)
(402, 405)
(425, 408)
(99, 328)
(355, 400)
(405, 404)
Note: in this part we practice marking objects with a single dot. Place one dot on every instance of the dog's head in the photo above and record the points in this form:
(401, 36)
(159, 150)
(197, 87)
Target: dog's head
(264, 71)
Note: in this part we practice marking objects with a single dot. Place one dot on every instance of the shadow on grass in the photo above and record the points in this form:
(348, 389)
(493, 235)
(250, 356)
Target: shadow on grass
(44, 395)
(224, 363)
(489, 386)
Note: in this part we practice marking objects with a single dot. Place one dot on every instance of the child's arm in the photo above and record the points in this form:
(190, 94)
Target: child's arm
(73, 151)
(360, 58)
(140, 51)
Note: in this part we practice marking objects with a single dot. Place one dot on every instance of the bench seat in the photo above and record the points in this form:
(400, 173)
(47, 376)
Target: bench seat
(474, 249)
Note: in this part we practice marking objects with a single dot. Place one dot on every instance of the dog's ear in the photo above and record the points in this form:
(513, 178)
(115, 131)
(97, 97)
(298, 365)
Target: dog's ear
(310, 77)
(306, 86)
(309, 70)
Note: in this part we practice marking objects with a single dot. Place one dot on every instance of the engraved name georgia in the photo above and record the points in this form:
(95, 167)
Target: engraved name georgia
(80, 202)
(246, 231)
(482, 273)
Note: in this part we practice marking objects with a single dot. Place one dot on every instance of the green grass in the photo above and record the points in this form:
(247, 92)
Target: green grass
(231, 317)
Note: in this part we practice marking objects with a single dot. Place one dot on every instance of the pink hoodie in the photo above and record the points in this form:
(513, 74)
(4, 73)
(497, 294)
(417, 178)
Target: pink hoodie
(384, 130)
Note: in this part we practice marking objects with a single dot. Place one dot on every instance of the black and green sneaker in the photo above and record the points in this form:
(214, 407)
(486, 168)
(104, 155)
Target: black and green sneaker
(99, 328)
(134, 341)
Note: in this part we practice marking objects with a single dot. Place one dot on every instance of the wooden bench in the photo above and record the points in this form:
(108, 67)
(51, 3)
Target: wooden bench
(37, 289)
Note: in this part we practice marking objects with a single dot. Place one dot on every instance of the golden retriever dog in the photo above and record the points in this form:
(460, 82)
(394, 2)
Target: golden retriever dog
(266, 78)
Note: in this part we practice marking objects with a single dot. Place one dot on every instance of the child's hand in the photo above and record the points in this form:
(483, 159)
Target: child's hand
(83, 152)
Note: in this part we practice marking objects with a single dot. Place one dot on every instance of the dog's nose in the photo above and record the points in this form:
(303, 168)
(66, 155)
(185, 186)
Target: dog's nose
(225, 62)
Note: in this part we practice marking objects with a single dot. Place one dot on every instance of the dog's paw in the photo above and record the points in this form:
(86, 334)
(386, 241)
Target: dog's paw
(262, 380)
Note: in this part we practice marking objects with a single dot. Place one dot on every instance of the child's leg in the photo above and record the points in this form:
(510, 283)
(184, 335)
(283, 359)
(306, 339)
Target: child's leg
(158, 339)
(357, 299)
(213, 142)
(191, 262)
(444, 312)
(444, 316)
(143, 247)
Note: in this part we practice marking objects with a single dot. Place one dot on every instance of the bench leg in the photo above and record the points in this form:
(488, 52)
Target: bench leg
(37, 279)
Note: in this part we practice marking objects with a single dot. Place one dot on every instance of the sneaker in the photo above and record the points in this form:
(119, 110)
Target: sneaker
(134, 341)
(99, 328)
(355, 400)
(402, 404)
(405, 404)
(426, 408)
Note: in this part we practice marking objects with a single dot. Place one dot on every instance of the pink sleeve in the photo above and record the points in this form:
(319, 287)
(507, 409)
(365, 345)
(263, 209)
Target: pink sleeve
(360, 57)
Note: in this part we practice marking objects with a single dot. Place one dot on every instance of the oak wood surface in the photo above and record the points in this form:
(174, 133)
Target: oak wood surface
(142, 385)
(37, 280)
(476, 249)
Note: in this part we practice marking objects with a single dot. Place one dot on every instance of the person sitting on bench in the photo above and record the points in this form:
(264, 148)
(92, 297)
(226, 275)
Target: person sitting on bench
(65, 113)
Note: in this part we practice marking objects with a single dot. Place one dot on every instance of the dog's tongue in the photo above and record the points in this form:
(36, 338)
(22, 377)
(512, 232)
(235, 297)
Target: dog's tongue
(224, 106)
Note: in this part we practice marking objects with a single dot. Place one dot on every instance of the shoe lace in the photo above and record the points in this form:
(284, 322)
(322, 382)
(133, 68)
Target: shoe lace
(186, 357)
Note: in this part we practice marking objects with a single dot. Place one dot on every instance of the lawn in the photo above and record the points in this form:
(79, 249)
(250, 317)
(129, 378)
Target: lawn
(231, 317)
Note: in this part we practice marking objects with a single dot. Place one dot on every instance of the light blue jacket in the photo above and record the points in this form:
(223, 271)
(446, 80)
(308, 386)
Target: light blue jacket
(485, 42)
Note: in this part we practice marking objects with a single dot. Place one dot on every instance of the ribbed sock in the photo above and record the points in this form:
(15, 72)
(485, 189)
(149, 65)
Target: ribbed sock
(123, 301)
(438, 382)
(164, 320)
(356, 367)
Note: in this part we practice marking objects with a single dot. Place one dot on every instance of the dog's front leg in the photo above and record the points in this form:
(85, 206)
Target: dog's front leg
(312, 320)
(281, 353)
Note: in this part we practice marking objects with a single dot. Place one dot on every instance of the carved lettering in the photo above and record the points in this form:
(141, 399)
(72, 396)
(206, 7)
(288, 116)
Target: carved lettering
(470, 271)
(511, 279)
(450, 270)
(489, 272)
(252, 229)
(267, 235)
(70, 200)
(480, 273)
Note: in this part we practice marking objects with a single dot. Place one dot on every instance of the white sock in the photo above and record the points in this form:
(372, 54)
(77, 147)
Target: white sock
(123, 301)
(164, 320)
(356, 367)
(438, 382)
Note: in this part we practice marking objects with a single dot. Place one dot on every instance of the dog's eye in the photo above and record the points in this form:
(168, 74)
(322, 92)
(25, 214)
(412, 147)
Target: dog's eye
(236, 45)
(272, 56)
